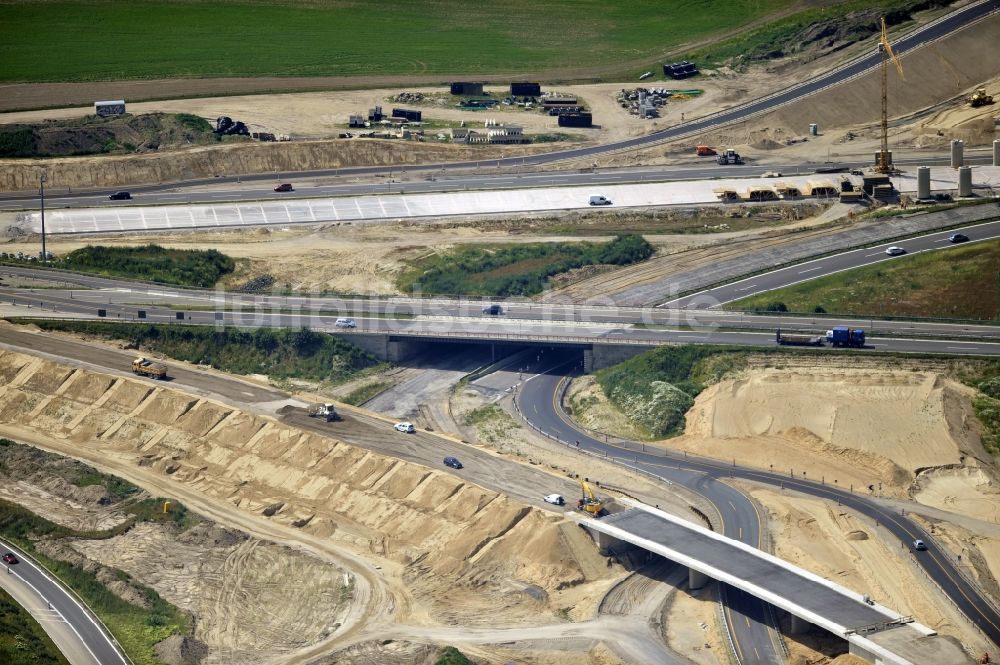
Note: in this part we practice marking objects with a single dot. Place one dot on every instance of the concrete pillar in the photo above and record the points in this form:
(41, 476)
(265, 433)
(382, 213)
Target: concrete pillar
(696, 580)
(606, 355)
(996, 152)
(799, 626)
(965, 181)
(957, 153)
(862, 653)
(923, 183)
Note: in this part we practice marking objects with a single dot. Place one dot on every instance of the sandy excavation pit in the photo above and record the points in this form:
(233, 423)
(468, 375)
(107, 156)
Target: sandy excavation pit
(454, 552)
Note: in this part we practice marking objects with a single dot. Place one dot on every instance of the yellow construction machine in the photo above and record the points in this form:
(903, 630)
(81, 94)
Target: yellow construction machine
(589, 501)
(980, 98)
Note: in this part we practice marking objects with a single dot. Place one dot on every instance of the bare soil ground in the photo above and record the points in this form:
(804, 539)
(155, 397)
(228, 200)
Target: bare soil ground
(452, 553)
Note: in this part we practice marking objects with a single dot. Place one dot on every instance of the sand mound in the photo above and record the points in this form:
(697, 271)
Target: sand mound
(454, 537)
(857, 534)
(180, 650)
(890, 424)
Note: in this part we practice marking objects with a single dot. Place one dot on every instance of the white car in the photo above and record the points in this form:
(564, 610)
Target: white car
(895, 251)
(345, 323)
(405, 427)
(555, 499)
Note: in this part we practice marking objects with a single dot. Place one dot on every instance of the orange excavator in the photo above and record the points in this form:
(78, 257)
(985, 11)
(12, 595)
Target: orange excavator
(705, 151)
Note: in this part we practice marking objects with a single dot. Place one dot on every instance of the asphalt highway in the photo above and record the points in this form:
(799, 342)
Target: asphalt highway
(389, 181)
(954, 21)
(539, 405)
(477, 329)
(455, 317)
(830, 265)
(74, 629)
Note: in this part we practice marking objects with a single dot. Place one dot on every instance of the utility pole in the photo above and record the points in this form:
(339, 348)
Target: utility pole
(41, 191)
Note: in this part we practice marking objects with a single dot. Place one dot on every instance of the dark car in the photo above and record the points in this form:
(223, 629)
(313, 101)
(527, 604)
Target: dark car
(452, 462)
(284, 187)
(120, 196)
(493, 310)
(958, 237)
(9, 558)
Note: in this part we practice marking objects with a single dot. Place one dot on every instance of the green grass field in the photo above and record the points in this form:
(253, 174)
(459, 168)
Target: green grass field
(85, 40)
(961, 282)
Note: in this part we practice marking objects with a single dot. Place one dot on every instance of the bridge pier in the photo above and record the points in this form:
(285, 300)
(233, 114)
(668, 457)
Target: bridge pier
(385, 347)
(863, 653)
(600, 356)
(799, 626)
(696, 580)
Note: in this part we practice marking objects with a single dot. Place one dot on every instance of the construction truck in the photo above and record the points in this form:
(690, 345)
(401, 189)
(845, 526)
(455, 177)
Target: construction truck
(797, 340)
(146, 367)
(705, 151)
(730, 156)
(845, 336)
(325, 411)
(980, 98)
(589, 502)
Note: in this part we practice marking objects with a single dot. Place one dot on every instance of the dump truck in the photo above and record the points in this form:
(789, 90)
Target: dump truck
(730, 156)
(846, 336)
(326, 411)
(705, 151)
(146, 367)
(797, 340)
(980, 98)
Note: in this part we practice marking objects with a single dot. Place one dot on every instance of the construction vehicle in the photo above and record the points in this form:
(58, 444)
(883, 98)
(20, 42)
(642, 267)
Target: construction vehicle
(845, 336)
(730, 156)
(883, 162)
(798, 340)
(325, 411)
(705, 151)
(980, 98)
(589, 502)
(146, 367)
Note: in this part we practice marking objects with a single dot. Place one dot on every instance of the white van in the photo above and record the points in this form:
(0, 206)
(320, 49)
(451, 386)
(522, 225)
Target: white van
(599, 201)
(345, 323)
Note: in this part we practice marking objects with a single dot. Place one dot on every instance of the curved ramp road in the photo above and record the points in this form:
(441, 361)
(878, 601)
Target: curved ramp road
(73, 628)
(539, 405)
(748, 617)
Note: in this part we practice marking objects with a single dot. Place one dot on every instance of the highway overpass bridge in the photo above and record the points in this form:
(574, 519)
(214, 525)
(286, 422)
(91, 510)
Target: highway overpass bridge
(873, 632)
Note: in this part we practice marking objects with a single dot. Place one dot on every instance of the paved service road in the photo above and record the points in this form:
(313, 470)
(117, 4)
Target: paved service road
(538, 403)
(73, 629)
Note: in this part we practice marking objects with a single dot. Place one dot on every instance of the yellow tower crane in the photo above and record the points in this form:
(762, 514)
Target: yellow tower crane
(884, 164)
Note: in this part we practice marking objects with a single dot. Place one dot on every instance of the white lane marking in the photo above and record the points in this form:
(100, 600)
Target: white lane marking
(802, 272)
(962, 348)
(875, 254)
(83, 610)
(747, 288)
